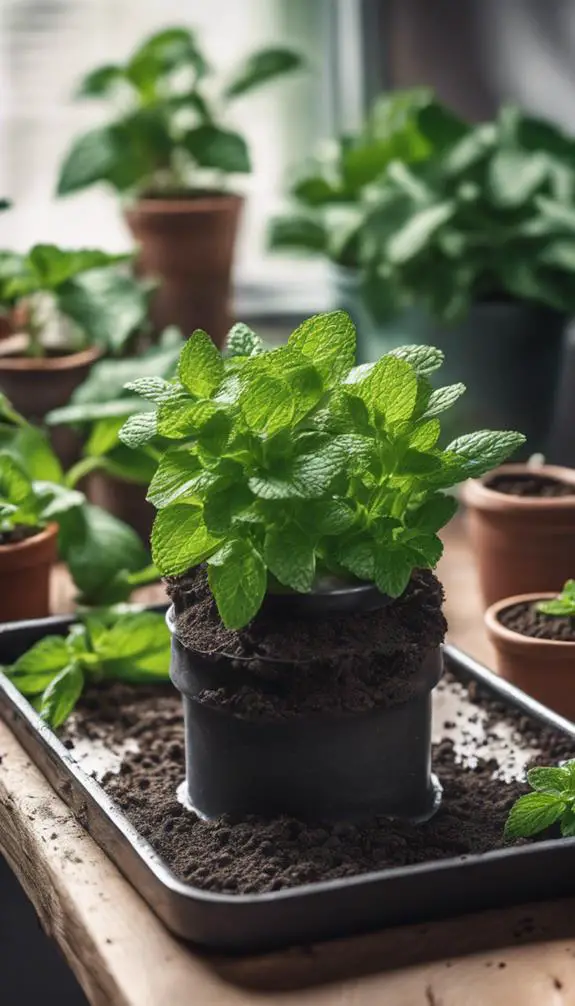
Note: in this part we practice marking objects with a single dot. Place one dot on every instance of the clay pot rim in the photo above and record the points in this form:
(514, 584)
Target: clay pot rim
(19, 549)
(69, 361)
(475, 494)
(179, 206)
(508, 638)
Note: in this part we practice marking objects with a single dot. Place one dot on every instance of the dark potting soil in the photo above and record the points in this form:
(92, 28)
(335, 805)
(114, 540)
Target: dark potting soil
(18, 534)
(254, 855)
(525, 619)
(366, 659)
(530, 485)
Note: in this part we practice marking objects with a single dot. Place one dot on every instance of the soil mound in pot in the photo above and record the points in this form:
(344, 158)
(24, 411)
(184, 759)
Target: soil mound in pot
(542, 486)
(293, 665)
(525, 619)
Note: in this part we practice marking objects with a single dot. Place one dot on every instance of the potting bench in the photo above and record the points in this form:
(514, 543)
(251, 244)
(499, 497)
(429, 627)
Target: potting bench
(123, 956)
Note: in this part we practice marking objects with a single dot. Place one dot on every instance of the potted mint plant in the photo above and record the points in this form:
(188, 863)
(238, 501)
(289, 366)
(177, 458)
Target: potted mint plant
(66, 308)
(298, 508)
(168, 151)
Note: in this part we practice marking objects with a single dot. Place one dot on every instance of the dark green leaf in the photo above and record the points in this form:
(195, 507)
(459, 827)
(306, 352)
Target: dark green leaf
(107, 306)
(238, 581)
(89, 160)
(61, 695)
(533, 813)
(95, 545)
(557, 781)
(262, 67)
(299, 233)
(392, 570)
(213, 147)
(180, 539)
(101, 82)
(289, 554)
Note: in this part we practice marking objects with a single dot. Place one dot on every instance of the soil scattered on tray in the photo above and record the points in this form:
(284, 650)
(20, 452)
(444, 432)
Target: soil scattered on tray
(530, 485)
(254, 855)
(525, 619)
(367, 659)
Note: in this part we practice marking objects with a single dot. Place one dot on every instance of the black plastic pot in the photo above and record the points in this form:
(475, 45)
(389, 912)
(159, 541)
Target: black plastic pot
(312, 767)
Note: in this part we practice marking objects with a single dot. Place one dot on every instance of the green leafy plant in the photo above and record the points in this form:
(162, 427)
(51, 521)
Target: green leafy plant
(289, 463)
(563, 604)
(113, 645)
(553, 801)
(106, 558)
(488, 214)
(166, 135)
(80, 292)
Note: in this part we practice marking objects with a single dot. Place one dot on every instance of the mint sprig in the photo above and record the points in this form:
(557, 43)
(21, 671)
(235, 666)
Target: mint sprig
(294, 462)
(563, 604)
(106, 645)
(553, 801)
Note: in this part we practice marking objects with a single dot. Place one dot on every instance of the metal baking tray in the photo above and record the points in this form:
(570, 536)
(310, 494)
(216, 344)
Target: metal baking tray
(245, 923)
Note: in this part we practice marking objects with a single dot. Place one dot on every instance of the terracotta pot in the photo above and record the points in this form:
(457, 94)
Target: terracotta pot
(544, 668)
(36, 386)
(25, 576)
(125, 500)
(521, 543)
(188, 244)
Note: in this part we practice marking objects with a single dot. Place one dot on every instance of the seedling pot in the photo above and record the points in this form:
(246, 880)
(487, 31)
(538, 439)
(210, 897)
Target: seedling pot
(544, 668)
(521, 543)
(316, 767)
(188, 244)
(25, 576)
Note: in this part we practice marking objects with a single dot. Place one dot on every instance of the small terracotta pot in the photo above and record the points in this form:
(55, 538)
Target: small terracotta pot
(125, 500)
(188, 244)
(544, 668)
(521, 543)
(35, 386)
(25, 576)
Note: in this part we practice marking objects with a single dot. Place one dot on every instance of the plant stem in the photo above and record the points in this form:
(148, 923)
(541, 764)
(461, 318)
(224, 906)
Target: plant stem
(34, 330)
(83, 467)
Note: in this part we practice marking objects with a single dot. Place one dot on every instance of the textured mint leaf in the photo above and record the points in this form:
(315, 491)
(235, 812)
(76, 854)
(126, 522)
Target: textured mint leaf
(329, 341)
(358, 556)
(139, 429)
(174, 477)
(180, 539)
(556, 781)
(442, 399)
(418, 463)
(434, 514)
(48, 656)
(325, 517)
(222, 506)
(241, 341)
(61, 695)
(289, 554)
(425, 435)
(180, 419)
(308, 477)
(533, 813)
(392, 570)
(426, 549)
(200, 367)
(214, 434)
(267, 404)
(238, 581)
(154, 389)
(424, 359)
(136, 648)
(479, 452)
(568, 822)
(391, 388)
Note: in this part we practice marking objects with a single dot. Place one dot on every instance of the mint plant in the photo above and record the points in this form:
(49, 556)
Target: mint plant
(563, 604)
(27, 506)
(553, 801)
(165, 135)
(294, 462)
(91, 302)
(113, 645)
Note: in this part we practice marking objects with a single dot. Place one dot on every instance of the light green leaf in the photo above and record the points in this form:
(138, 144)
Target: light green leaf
(411, 239)
(200, 367)
(267, 403)
(557, 781)
(222, 506)
(238, 580)
(424, 359)
(48, 656)
(514, 175)
(61, 695)
(391, 387)
(290, 556)
(180, 539)
(308, 477)
(139, 429)
(425, 435)
(533, 813)
(175, 476)
(442, 399)
(481, 451)
(329, 341)
(108, 306)
(179, 419)
(136, 648)
(241, 341)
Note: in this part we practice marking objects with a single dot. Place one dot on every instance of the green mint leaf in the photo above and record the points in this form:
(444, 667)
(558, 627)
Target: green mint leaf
(174, 477)
(213, 147)
(533, 813)
(136, 648)
(433, 514)
(15, 484)
(392, 569)
(154, 389)
(556, 781)
(262, 67)
(568, 823)
(425, 435)
(358, 556)
(426, 549)
(563, 604)
(391, 388)
(309, 476)
(213, 436)
(222, 506)
(290, 556)
(200, 367)
(241, 341)
(325, 517)
(267, 404)
(139, 429)
(418, 463)
(442, 399)
(479, 452)
(328, 340)
(34, 670)
(61, 695)
(180, 539)
(424, 359)
(184, 418)
(96, 545)
(238, 581)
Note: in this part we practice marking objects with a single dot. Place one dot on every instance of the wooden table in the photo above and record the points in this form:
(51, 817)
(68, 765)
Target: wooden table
(123, 956)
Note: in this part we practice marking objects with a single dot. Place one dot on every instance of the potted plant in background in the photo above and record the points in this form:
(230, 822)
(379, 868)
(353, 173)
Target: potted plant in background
(66, 309)
(113, 476)
(481, 236)
(534, 639)
(521, 523)
(167, 151)
(330, 216)
(308, 647)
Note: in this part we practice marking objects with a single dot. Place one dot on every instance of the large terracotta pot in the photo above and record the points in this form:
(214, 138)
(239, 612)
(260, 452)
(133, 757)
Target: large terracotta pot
(188, 244)
(125, 500)
(25, 576)
(521, 543)
(36, 385)
(544, 668)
